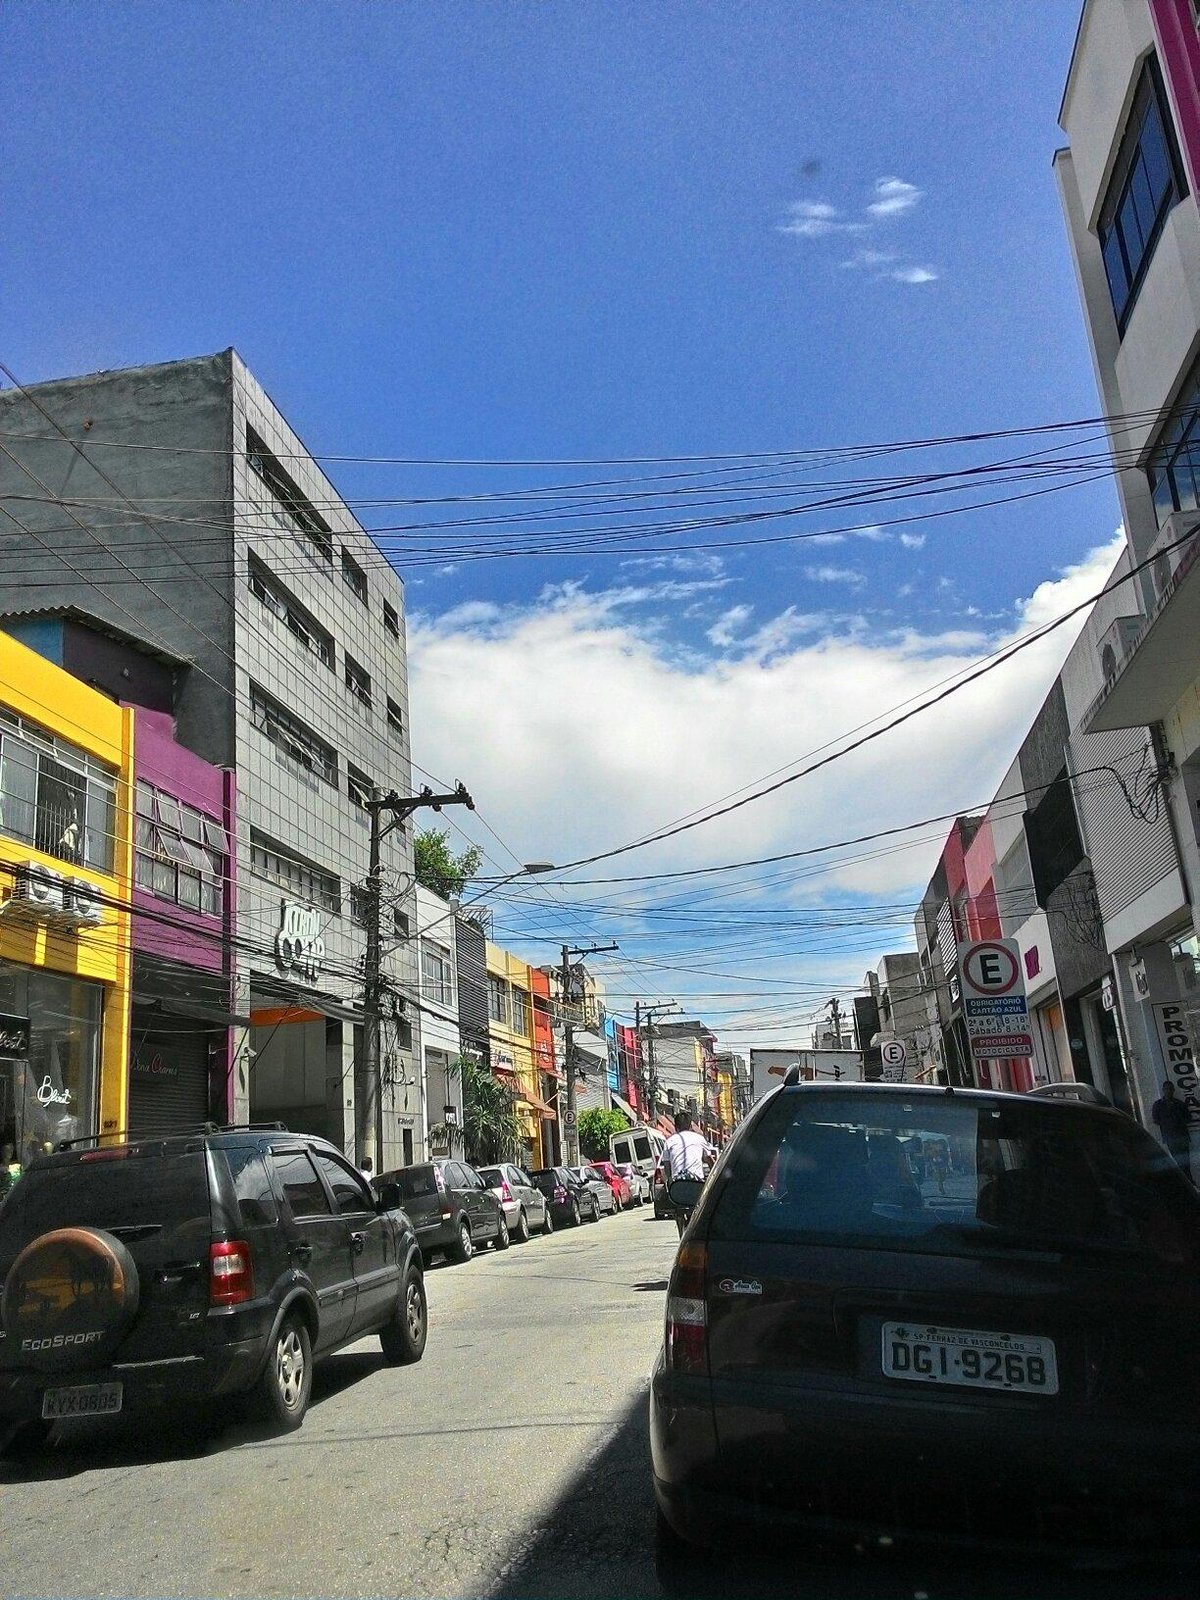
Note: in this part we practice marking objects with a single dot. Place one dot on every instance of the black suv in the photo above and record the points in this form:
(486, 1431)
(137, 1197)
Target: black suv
(448, 1204)
(194, 1267)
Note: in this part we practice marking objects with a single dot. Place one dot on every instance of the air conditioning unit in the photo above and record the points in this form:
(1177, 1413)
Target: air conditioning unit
(1116, 642)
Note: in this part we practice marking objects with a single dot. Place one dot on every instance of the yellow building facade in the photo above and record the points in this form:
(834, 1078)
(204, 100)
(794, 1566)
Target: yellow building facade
(66, 766)
(511, 1041)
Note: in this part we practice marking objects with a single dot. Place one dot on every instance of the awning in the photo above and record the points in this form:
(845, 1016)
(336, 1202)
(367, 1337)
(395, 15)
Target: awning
(665, 1125)
(623, 1105)
(532, 1098)
(296, 1001)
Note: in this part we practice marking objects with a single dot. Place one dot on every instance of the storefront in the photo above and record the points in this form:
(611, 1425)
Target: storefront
(65, 767)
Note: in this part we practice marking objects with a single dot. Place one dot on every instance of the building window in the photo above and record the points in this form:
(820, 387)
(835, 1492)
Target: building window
(288, 734)
(290, 612)
(180, 854)
(395, 716)
(359, 787)
(358, 681)
(360, 904)
(1147, 181)
(353, 576)
(287, 508)
(57, 798)
(1052, 832)
(300, 878)
(437, 974)
(391, 620)
(1174, 465)
(400, 924)
(497, 1000)
(520, 1010)
(64, 1053)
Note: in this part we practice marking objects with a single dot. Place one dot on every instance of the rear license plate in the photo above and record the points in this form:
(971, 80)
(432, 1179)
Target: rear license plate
(1018, 1363)
(83, 1400)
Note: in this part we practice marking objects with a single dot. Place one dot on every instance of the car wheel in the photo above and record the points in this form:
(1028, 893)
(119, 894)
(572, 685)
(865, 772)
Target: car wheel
(576, 1219)
(286, 1382)
(502, 1239)
(616, 1204)
(522, 1227)
(403, 1339)
(548, 1221)
(595, 1209)
(465, 1248)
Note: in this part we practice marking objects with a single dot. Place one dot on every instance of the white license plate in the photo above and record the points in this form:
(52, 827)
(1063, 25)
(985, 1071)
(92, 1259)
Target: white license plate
(83, 1400)
(1018, 1363)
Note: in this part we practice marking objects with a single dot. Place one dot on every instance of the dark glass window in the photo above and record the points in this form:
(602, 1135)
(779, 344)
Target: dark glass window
(353, 576)
(1174, 465)
(285, 507)
(302, 1189)
(1147, 181)
(349, 1196)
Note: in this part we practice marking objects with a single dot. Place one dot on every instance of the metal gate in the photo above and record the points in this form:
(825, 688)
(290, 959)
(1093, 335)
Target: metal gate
(168, 1074)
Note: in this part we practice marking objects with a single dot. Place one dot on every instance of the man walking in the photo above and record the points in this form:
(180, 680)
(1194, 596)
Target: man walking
(1171, 1116)
(686, 1154)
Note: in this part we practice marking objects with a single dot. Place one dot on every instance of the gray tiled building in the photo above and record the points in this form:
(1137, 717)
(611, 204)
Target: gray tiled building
(175, 502)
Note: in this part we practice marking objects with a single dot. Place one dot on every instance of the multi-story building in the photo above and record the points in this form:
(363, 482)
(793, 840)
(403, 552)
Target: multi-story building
(898, 999)
(685, 1065)
(517, 1054)
(197, 522)
(440, 1092)
(66, 854)
(1128, 183)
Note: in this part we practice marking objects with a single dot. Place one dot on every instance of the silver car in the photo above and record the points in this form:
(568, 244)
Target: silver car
(524, 1206)
(597, 1185)
(639, 1183)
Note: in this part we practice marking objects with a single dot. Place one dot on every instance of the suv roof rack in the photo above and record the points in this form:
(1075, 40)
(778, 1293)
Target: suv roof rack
(198, 1131)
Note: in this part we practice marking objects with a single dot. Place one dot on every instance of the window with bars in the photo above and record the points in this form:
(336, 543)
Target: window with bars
(287, 507)
(353, 576)
(437, 973)
(302, 879)
(55, 797)
(395, 716)
(1147, 180)
(276, 599)
(359, 787)
(358, 681)
(181, 854)
(391, 620)
(290, 736)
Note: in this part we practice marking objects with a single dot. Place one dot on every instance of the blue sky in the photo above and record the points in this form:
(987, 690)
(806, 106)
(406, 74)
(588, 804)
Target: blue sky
(586, 231)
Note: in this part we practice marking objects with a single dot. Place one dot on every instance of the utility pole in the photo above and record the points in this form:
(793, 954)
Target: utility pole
(572, 1125)
(399, 808)
(646, 1014)
(835, 1012)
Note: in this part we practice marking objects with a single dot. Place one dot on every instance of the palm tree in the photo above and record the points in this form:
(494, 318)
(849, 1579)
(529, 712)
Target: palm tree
(490, 1128)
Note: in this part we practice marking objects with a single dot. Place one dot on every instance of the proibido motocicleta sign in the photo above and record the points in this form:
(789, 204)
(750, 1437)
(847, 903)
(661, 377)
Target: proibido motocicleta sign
(995, 1009)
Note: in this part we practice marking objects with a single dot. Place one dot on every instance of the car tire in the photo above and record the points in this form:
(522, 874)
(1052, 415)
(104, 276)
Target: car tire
(465, 1248)
(403, 1339)
(595, 1209)
(548, 1222)
(674, 1558)
(522, 1227)
(576, 1219)
(503, 1238)
(285, 1385)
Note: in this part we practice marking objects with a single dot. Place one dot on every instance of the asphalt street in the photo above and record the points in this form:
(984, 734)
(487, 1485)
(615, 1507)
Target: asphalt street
(511, 1462)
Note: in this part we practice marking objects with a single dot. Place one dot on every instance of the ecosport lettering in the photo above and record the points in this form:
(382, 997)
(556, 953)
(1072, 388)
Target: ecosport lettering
(61, 1341)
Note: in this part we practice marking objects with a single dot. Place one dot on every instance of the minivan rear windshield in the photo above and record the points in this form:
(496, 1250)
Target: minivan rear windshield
(956, 1176)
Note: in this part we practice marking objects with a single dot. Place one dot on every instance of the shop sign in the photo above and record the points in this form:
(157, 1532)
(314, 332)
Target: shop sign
(14, 1037)
(155, 1067)
(299, 946)
(40, 892)
(1108, 995)
(1176, 1043)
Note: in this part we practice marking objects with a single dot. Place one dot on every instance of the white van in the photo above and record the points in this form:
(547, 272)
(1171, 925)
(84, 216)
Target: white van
(638, 1147)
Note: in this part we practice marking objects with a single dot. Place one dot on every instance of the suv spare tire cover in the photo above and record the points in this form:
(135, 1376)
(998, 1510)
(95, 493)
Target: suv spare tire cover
(68, 1299)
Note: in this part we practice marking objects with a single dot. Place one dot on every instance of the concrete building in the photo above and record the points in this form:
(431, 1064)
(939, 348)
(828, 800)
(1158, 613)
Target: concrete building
(197, 522)
(895, 987)
(1128, 177)
(440, 1093)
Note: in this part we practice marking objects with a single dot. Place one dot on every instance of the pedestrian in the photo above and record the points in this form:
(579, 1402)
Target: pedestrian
(686, 1154)
(1171, 1116)
(366, 1166)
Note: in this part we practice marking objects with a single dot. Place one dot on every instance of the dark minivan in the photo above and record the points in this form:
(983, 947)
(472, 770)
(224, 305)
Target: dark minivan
(196, 1267)
(449, 1206)
(916, 1312)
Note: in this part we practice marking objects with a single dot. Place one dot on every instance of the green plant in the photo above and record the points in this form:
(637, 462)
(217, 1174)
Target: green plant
(437, 869)
(595, 1128)
(491, 1131)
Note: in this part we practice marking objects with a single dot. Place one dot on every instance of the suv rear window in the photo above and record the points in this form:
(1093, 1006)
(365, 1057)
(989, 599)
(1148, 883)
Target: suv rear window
(954, 1175)
(125, 1190)
(413, 1181)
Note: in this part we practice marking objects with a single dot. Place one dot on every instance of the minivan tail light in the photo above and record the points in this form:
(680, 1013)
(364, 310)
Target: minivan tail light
(687, 1311)
(230, 1273)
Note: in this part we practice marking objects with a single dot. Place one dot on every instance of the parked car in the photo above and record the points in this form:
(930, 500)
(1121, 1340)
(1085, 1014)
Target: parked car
(449, 1206)
(597, 1185)
(523, 1203)
(617, 1182)
(640, 1147)
(194, 1268)
(963, 1354)
(639, 1184)
(571, 1201)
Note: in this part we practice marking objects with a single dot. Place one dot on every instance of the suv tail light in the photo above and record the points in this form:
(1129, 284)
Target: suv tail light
(505, 1191)
(687, 1311)
(560, 1195)
(230, 1273)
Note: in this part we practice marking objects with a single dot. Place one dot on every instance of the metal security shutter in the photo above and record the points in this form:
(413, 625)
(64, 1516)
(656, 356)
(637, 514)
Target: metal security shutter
(168, 1076)
(1129, 855)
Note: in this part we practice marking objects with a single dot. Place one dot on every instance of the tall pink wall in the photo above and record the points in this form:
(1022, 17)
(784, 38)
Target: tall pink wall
(1179, 57)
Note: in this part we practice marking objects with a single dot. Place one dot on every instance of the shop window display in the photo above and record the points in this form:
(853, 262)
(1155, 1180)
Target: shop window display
(50, 1094)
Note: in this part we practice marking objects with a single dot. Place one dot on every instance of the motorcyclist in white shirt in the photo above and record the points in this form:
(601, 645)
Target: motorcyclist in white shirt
(686, 1154)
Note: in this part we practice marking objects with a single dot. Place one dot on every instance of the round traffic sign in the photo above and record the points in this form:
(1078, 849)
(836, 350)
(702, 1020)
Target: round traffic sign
(990, 968)
(893, 1053)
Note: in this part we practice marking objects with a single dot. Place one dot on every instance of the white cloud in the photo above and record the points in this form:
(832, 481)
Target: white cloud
(893, 197)
(814, 219)
(729, 625)
(704, 561)
(913, 275)
(874, 532)
(870, 258)
(913, 541)
(834, 575)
